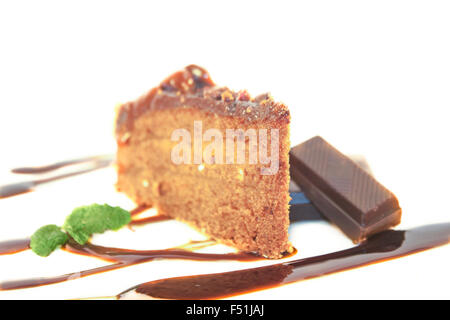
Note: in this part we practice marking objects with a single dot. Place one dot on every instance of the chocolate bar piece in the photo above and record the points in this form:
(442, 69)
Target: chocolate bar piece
(342, 191)
(301, 209)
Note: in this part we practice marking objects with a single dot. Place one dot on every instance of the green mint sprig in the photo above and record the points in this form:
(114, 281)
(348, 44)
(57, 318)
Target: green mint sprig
(81, 224)
(87, 220)
(46, 239)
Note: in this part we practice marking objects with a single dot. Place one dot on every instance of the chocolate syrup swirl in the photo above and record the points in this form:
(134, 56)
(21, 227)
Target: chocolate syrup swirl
(60, 164)
(139, 209)
(120, 258)
(14, 246)
(128, 256)
(386, 245)
(18, 188)
(140, 221)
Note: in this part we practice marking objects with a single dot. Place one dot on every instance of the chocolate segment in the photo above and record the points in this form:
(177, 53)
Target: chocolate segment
(342, 191)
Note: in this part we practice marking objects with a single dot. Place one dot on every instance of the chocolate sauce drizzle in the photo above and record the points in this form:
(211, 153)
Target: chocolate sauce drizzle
(18, 188)
(148, 220)
(61, 164)
(119, 256)
(140, 221)
(128, 256)
(14, 246)
(139, 209)
(386, 245)
(122, 258)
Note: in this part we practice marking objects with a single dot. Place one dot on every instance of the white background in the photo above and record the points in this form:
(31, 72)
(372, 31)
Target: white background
(371, 77)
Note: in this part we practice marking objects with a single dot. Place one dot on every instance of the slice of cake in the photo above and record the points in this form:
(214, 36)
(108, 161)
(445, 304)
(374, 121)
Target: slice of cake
(211, 157)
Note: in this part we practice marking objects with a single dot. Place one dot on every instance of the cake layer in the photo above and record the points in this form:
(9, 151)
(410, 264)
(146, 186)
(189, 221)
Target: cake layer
(241, 174)
(147, 151)
(178, 188)
(142, 179)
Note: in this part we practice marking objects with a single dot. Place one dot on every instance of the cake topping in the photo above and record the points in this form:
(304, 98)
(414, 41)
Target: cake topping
(189, 80)
(227, 95)
(193, 88)
(243, 95)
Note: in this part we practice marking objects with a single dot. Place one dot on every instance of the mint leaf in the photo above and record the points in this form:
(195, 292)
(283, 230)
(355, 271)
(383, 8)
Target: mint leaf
(87, 220)
(46, 239)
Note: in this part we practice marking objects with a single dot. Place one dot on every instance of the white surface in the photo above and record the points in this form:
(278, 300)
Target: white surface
(370, 77)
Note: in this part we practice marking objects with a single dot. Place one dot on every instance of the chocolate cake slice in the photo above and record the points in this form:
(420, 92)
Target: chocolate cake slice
(211, 157)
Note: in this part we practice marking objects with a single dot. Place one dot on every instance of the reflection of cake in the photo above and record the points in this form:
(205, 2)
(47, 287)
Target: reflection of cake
(234, 203)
